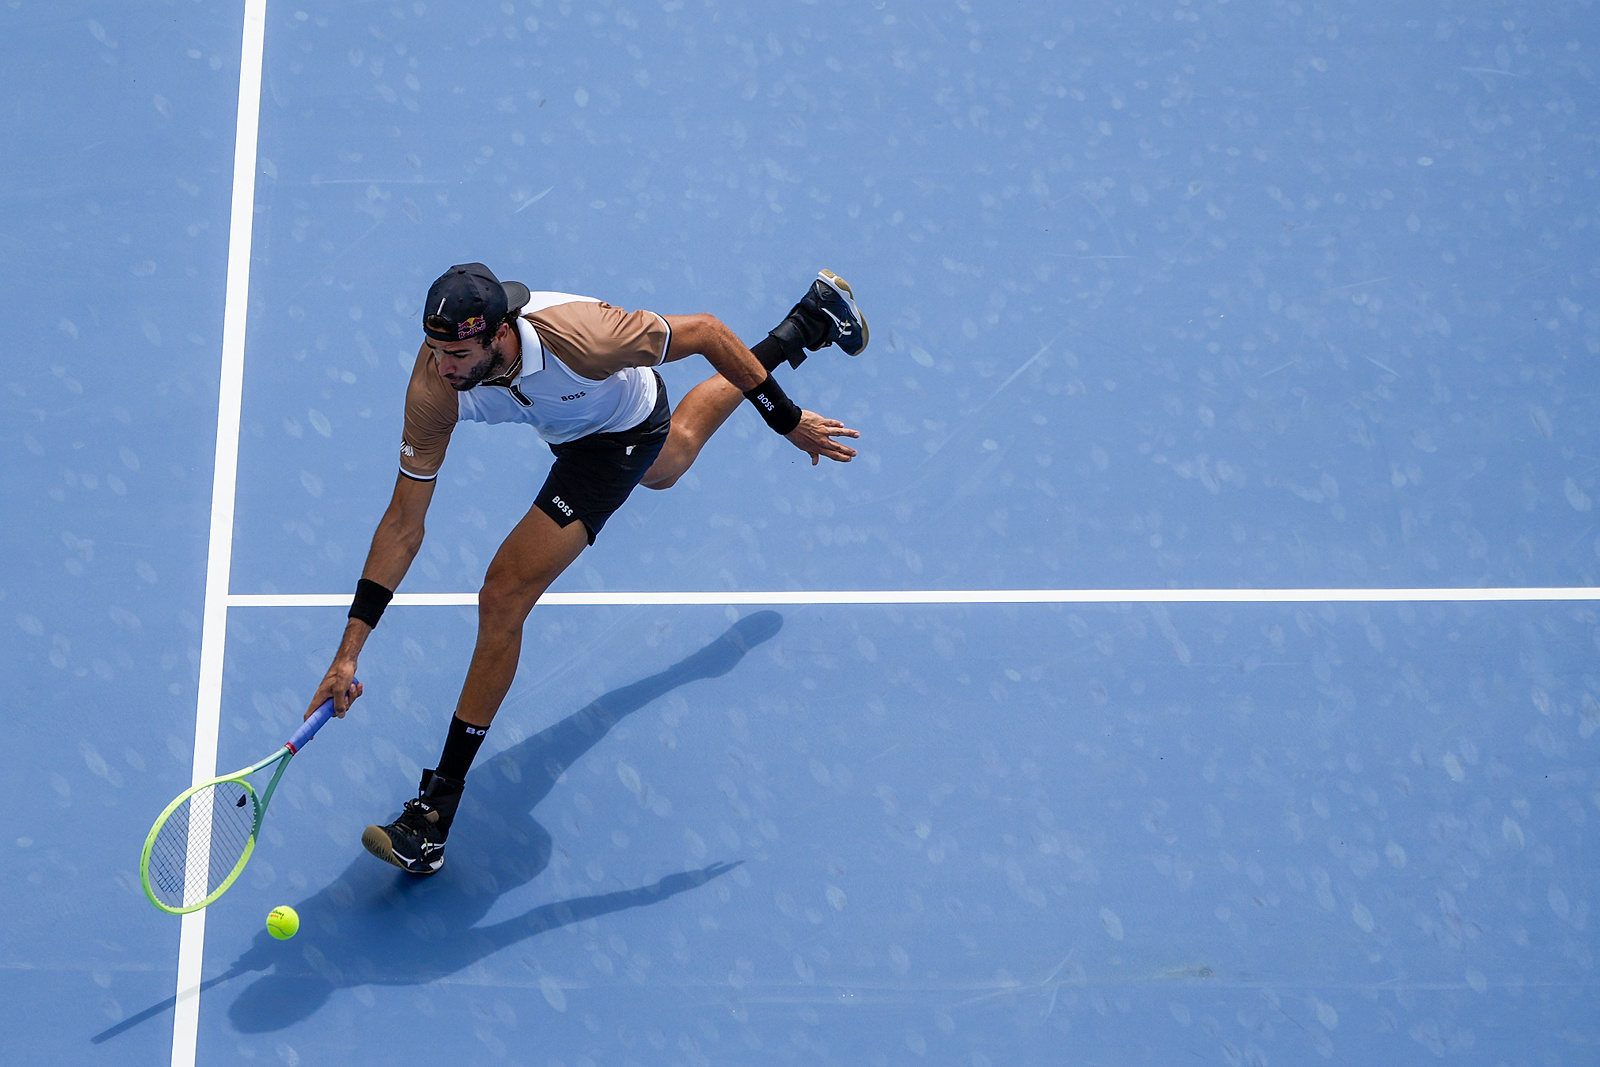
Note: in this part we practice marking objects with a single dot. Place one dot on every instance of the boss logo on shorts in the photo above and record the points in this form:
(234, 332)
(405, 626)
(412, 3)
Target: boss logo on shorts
(562, 504)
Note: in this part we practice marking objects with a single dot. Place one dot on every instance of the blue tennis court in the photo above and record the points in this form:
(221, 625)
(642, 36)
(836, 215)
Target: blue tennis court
(1197, 663)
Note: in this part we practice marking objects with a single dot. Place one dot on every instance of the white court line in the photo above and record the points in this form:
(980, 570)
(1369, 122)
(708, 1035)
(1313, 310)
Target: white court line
(219, 557)
(961, 596)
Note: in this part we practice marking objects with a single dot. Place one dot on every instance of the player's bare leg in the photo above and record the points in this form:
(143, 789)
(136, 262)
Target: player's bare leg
(697, 416)
(827, 315)
(531, 557)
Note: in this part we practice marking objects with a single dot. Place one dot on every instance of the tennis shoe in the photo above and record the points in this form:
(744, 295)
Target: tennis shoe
(414, 842)
(832, 298)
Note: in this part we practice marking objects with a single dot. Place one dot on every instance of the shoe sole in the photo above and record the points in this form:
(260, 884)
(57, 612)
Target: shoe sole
(843, 286)
(377, 842)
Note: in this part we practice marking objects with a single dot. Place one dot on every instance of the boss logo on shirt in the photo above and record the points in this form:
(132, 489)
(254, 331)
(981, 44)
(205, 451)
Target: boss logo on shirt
(576, 396)
(562, 504)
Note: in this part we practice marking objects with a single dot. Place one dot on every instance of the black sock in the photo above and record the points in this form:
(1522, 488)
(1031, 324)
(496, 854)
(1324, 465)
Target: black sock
(788, 341)
(460, 748)
(770, 351)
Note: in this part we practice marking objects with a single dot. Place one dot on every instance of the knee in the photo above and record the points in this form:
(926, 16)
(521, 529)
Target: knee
(503, 604)
(665, 481)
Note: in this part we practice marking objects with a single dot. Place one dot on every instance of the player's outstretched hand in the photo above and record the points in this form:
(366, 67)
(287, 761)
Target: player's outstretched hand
(340, 685)
(815, 436)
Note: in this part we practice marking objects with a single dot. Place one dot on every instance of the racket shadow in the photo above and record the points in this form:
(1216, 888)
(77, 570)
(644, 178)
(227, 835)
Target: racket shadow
(374, 925)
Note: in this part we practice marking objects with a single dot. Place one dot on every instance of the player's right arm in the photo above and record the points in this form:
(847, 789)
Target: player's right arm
(431, 413)
(394, 545)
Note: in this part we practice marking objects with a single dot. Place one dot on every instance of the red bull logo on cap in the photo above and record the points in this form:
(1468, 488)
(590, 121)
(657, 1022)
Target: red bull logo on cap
(470, 327)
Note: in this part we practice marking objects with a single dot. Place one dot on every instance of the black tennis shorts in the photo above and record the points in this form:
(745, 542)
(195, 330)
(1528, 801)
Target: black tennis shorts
(593, 475)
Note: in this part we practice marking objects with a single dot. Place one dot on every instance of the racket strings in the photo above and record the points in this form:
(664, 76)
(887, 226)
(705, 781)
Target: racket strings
(200, 843)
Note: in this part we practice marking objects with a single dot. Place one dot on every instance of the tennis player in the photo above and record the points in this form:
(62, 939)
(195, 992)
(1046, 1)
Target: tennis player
(581, 372)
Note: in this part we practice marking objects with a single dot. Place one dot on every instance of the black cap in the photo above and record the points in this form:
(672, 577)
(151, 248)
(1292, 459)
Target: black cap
(468, 300)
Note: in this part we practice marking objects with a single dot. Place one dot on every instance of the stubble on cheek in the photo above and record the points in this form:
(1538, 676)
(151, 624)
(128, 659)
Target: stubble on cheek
(489, 366)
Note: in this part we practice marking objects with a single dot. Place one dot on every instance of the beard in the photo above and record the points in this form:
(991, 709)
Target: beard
(489, 367)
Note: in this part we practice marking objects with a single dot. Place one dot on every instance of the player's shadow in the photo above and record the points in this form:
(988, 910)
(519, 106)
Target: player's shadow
(374, 925)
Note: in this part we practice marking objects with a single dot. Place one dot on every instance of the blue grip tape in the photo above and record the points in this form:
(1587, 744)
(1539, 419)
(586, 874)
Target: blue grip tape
(309, 728)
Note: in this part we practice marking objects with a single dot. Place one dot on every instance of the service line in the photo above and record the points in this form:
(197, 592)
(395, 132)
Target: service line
(961, 596)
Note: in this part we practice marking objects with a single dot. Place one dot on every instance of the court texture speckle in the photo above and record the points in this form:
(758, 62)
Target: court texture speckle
(1197, 665)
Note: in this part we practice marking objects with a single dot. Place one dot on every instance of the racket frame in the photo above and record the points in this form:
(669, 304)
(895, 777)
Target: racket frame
(282, 756)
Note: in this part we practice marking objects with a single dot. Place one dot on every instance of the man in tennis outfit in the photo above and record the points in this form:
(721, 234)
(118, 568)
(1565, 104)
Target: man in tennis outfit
(581, 372)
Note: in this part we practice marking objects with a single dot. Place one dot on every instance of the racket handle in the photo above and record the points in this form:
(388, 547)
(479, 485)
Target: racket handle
(309, 728)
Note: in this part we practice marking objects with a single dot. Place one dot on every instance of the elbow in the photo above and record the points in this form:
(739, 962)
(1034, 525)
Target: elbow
(701, 333)
(411, 538)
(404, 535)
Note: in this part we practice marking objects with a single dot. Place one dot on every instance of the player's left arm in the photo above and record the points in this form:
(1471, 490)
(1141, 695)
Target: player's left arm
(710, 337)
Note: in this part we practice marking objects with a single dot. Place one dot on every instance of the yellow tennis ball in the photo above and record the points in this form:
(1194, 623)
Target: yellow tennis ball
(283, 922)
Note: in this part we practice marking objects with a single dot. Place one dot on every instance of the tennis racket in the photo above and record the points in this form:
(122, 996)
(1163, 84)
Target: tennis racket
(203, 839)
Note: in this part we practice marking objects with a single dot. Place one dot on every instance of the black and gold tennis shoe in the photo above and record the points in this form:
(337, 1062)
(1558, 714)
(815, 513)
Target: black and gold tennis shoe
(832, 297)
(414, 842)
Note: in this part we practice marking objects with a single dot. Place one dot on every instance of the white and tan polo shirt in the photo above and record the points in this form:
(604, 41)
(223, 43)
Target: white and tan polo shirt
(585, 369)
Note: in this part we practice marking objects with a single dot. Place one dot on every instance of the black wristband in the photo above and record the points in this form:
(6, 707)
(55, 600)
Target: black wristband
(371, 599)
(781, 413)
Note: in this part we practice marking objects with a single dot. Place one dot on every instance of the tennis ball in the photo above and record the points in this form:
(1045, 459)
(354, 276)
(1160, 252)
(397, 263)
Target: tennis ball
(283, 923)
